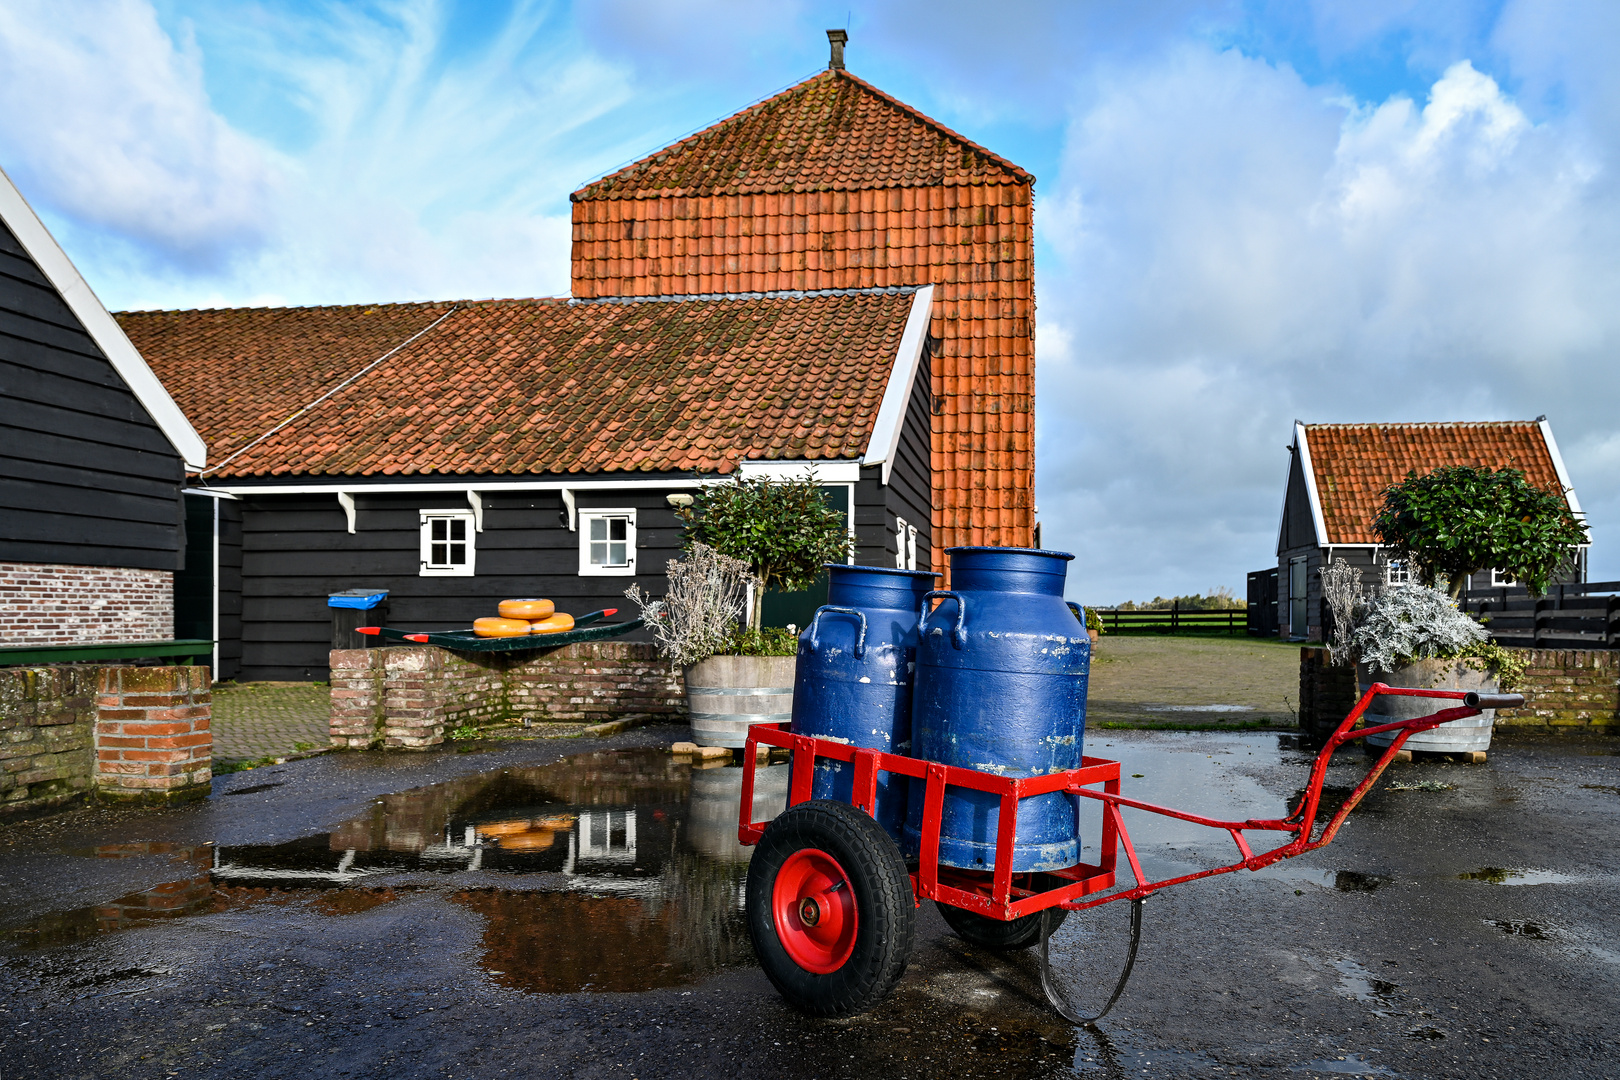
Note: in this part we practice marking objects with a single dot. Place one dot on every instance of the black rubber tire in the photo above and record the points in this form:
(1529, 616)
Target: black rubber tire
(990, 933)
(885, 908)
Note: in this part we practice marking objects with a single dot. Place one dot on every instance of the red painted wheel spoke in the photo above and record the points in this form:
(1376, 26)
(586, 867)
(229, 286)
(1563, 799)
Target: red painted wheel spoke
(814, 905)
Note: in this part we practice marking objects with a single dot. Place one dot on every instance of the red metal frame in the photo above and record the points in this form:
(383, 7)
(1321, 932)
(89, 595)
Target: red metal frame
(1001, 894)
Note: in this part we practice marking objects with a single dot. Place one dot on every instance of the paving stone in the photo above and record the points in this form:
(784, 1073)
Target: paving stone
(268, 719)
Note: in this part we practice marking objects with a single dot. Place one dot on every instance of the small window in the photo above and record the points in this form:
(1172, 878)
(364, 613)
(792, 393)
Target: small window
(447, 543)
(1397, 573)
(607, 542)
(1499, 580)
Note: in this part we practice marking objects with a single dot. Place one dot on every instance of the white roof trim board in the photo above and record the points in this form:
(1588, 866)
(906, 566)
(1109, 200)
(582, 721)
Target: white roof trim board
(1317, 521)
(99, 323)
(1558, 467)
(891, 415)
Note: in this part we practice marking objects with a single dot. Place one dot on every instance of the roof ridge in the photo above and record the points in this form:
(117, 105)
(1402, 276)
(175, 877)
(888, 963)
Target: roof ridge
(775, 294)
(1424, 423)
(352, 307)
(829, 74)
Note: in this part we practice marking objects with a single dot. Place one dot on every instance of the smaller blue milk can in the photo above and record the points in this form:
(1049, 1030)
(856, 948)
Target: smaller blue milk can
(1001, 687)
(853, 678)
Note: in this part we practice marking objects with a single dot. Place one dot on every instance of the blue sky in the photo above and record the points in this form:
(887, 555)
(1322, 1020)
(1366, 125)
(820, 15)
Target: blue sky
(1246, 212)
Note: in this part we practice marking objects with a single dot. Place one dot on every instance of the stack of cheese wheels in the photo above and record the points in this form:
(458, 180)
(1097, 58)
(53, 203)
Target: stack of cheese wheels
(520, 617)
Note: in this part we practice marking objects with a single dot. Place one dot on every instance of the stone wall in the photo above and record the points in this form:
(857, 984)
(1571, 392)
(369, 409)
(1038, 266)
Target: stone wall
(129, 733)
(1567, 691)
(407, 697)
(48, 604)
(47, 721)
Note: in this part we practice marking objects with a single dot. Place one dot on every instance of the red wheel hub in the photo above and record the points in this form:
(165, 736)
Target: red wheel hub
(814, 908)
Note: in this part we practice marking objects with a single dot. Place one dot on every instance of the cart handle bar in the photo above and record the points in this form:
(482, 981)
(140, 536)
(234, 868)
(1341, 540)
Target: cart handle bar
(1000, 897)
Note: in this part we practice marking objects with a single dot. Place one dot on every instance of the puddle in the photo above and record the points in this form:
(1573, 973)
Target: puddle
(624, 870)
(256, 788)
(1338, 880)
(1495, 875)
(1359, 984)
(1198, 708)
(1518, 928)
(1348, 1065)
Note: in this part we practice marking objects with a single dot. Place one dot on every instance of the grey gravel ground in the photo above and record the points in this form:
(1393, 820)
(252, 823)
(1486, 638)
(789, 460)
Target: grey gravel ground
(1466, 927)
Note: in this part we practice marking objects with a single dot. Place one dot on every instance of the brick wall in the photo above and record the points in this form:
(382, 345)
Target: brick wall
(1567, 691)
(47, 604)
(47, 720)
(1326, 693)
(407, 697)
(154, 741)
(126, 733)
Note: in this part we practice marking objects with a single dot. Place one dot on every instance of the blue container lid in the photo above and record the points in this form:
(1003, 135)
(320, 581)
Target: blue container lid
(1064, 555)
(362, 599)
(896, 571)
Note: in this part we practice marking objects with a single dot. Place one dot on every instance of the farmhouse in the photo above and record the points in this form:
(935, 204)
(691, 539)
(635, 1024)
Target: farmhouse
(455, 454)
(1337, 476)
(92, 462)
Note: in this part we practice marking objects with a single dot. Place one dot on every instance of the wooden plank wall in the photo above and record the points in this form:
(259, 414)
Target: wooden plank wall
(296, 550)
(86, 477)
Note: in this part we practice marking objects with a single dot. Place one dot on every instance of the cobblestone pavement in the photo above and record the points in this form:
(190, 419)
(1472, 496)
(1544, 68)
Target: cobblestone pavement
(268, 719)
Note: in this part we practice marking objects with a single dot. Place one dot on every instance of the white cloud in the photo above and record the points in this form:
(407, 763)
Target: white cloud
(106, 120)
(1240, 249)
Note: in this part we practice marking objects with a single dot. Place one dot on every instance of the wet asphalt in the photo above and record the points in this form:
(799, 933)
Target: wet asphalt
(570, 908)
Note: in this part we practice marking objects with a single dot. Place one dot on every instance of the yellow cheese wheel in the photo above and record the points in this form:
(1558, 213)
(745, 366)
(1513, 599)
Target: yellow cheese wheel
(555, 624)
(493, 627)
(526, 609)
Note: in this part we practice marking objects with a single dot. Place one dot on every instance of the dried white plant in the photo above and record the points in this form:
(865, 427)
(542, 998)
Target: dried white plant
(1410, 622)
(708, 594)
(1341, 590)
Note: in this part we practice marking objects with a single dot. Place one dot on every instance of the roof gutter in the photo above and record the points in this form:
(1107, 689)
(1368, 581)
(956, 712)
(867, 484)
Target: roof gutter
(1317, 520)
(98, 322)
(891, 415)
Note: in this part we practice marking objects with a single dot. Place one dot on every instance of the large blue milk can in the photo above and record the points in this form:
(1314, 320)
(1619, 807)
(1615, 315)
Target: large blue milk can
(854, 674)
(1002, 665)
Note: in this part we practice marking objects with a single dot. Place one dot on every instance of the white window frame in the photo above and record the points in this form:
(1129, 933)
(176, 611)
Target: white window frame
(425, 518)
(1396, 573)
(1500, 580)
(594, 513)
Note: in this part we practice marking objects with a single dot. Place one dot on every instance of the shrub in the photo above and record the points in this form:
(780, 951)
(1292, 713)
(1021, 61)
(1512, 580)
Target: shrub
(1411, 622)
(697, 618)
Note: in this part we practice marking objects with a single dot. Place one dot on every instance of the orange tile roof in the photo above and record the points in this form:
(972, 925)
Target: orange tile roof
(529, 386)
(1354, 464)
(833, 184)
(832, 132)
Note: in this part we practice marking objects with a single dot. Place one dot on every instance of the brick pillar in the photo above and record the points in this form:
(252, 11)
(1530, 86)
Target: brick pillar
(356, 719)
(1327, 693)
(414, 698)
(153, 738)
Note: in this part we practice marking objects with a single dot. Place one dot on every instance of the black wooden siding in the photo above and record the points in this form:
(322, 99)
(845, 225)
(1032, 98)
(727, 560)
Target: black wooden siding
(230, 589)
(910, 493)
(87, 478)
(296, 550)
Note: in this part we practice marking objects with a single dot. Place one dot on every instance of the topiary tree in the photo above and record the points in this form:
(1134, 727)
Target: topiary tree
(1459, 520)
(784, 530)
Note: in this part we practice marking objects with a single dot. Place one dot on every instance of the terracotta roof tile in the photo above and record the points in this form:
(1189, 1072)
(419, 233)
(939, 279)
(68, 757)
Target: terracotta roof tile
(529, 386)
(1355, 464)
(834, 185)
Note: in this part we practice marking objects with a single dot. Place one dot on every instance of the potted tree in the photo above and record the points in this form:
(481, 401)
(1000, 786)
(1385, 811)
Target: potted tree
(743, 538)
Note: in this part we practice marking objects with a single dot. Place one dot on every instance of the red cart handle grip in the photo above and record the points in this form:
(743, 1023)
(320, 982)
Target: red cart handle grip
(1493, 701)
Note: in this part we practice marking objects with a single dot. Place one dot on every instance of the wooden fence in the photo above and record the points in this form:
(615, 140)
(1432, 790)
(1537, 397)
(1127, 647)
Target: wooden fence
(1172, 620)
(1583, 615)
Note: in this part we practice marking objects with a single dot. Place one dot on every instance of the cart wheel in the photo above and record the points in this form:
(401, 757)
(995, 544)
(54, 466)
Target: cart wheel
(1020, 933)
(830, 908)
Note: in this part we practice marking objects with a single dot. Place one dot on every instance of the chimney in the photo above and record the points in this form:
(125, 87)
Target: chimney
(837, 38)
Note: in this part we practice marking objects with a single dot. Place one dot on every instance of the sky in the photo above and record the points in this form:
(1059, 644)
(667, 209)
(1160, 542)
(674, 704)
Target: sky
(1247, 213)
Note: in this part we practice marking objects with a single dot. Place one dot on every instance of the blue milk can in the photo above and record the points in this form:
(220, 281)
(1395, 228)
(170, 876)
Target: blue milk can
(1001, 687)
(853, 678)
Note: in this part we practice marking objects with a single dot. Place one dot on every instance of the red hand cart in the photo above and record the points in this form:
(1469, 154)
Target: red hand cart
(831, 901)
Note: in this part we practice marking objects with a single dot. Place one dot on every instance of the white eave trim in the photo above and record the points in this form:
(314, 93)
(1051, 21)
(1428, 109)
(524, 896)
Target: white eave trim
(99, 323)
(826, 472)
(835, 472)
(1322, 539)
(1558, 467)
(891, 415)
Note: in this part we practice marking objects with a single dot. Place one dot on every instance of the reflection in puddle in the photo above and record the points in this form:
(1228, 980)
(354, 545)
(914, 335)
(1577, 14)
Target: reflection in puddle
(1518, 928)
(1496, 875)
(635, 873)
(1348, 1065)
(1358, 983)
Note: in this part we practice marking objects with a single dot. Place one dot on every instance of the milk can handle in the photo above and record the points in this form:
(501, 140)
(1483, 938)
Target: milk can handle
(860, 635)
(958, 635)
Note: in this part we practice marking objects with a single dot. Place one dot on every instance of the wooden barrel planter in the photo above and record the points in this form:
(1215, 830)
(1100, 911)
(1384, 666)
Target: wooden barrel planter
(728, 694)
(1455, 737)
